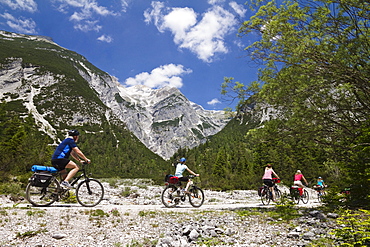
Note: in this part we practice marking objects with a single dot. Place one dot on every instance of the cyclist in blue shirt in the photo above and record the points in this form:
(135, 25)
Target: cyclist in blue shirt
(180, 168)
(320, 182)
(60, 159)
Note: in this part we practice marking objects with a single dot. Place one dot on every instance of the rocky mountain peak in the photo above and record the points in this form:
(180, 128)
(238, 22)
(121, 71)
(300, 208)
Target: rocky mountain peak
(163, 119)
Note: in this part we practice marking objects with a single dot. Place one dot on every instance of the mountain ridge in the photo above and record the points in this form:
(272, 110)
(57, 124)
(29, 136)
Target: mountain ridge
(163, 119)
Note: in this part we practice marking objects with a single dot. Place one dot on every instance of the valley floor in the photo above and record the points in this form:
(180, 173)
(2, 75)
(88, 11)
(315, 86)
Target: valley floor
(140, 219)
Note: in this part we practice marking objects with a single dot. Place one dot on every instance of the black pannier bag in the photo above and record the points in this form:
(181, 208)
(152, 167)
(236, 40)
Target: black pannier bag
(167, 177)
(41, 179)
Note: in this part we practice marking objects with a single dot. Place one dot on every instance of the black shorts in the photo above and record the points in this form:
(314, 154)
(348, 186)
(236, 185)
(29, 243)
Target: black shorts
(60, 164)
(184, 179)
(268, 182)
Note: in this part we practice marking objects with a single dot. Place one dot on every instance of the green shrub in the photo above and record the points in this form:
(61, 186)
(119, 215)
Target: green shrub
(356, 228)
(11, 188)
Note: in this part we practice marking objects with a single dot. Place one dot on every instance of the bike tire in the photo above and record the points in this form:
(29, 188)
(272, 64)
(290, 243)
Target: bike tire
(305, 197)
(265, 196)
(319, 197)
(277, 194)
(196, 197)
(43, 196)
(89, 192)
(294, 194)
(169, 196)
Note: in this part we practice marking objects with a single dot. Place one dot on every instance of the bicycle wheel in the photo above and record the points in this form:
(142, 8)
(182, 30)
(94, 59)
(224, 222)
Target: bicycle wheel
(294, 194)
(277, 194)
(265, 196)
(305, 197)
(319, 199)
(89, 192)
(196, 197)
(43, 196)
(169, 196)
(320, 195)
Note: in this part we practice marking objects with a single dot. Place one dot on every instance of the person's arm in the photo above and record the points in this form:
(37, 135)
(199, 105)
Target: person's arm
(275, 174)
(190, 171)
(304, 180)
(77, 152)
(75, 156)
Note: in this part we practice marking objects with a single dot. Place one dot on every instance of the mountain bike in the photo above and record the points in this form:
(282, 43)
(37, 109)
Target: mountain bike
(320, 192)
(173, 193)
(266, 194)
(297, 194)
(44, 187)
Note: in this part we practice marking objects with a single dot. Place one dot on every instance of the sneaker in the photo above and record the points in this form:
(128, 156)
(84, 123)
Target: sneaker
(67, 185)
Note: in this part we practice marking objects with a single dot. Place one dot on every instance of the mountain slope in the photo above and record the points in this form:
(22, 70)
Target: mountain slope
(60, 88)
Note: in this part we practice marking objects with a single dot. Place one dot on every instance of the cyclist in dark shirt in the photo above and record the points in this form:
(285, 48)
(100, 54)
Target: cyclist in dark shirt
(60, 159)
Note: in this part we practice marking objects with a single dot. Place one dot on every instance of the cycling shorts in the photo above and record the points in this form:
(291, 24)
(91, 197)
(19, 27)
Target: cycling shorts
(60, 164)
(268, 182)
(298, 182)
(184, 179)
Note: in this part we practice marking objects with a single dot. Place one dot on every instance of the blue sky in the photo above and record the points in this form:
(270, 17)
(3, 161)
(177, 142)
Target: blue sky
(188, 44)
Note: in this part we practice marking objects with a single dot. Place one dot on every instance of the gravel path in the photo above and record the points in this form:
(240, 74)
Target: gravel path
(226, 218)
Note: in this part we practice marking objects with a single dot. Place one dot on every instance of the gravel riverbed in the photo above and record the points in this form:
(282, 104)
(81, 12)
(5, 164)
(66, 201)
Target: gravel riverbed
(132, 214)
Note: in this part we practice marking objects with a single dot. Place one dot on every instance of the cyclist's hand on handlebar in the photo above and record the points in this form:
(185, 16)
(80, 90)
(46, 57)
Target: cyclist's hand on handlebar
(197, 175)
(86, 162)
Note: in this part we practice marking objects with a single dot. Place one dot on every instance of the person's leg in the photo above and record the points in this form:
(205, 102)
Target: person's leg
(188, 185)
(74, 169)
(63, 174)
(273, 193)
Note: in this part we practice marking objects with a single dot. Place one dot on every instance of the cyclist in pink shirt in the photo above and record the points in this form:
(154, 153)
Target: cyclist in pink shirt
(267, 179)
(298, 179)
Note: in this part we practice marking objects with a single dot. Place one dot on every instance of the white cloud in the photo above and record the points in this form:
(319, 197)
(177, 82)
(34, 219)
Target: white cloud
(165, 75)
(86, 13)
(214, 102)
(238, 8)
(125, 4)
(205, 37)
(21, 25)
(214, 2)
(88, 26)
(25, 5)
(155, 14)
(105, 38)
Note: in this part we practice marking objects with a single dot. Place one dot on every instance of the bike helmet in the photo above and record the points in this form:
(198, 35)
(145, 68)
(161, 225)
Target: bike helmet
(182, 159)
(73, 133)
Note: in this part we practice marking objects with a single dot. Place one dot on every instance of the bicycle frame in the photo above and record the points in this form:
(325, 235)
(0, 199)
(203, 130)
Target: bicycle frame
(82, 175)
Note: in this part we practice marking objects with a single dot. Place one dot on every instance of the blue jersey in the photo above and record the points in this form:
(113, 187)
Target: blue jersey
(63, 151)
(320, 183)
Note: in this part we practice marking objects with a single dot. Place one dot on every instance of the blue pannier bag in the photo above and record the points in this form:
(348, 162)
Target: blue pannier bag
(39, 168)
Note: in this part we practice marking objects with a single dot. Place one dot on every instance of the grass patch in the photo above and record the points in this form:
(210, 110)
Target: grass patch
(36, 213)
(146, 213)
(29, 234)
